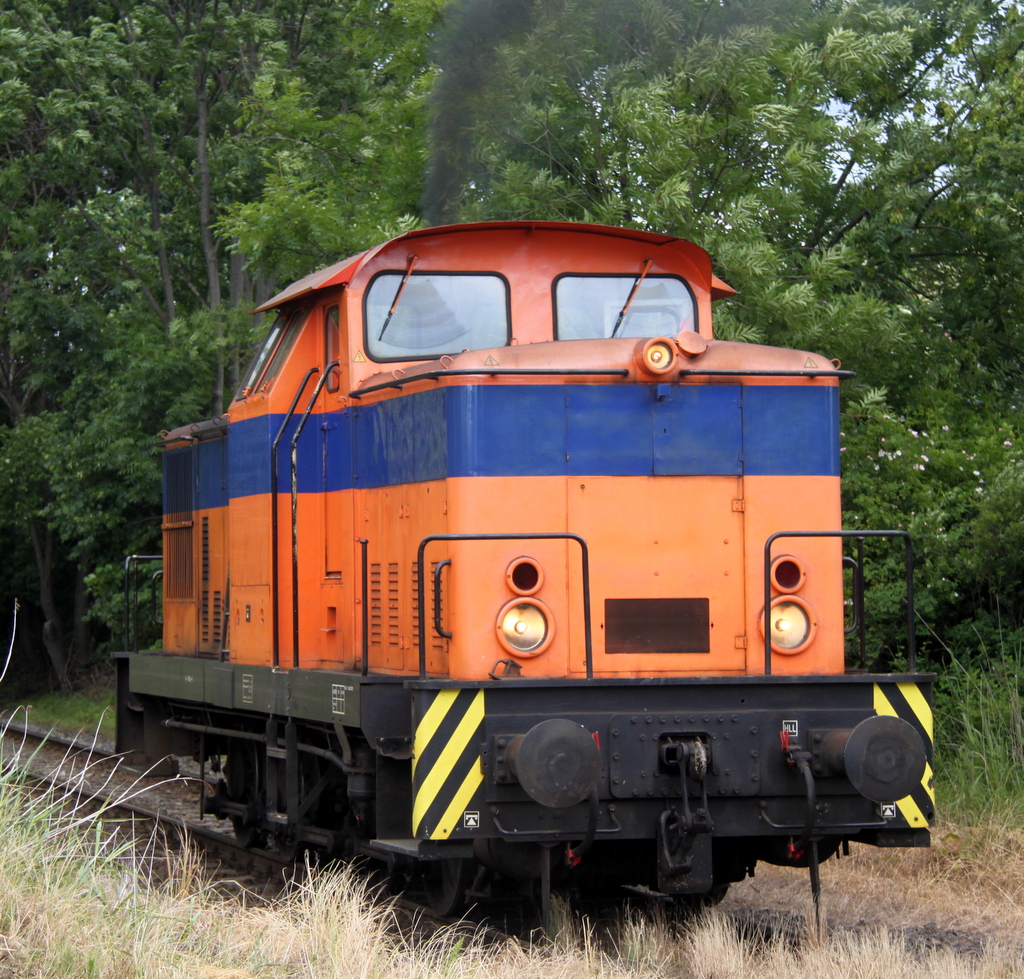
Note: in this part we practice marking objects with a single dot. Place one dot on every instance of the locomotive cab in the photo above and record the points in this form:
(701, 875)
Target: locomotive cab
(505, 559)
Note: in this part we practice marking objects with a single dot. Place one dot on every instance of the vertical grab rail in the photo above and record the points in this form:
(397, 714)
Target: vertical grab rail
(441, 565)
(860, 535)
(274, 560)
(363, 543)
(421, 613)
(295, 506)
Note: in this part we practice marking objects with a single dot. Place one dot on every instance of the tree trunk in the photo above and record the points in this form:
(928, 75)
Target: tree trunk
(205, 229)
(53, 631)
(81, 645)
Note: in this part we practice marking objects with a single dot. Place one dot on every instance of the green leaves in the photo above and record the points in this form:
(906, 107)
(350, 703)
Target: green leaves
(854, 169)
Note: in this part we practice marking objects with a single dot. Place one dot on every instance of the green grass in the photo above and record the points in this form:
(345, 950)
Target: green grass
(979, 743)
(71, 713)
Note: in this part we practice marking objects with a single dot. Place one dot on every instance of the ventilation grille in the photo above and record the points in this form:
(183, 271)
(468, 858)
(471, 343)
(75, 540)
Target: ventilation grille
(178, 486)
(375, 606)
(218, 618)
(178, 562)
(394, 629)
(204, 612)
(178, 566)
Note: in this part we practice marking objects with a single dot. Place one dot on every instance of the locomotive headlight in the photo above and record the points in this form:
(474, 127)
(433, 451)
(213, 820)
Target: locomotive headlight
(656, 355)
(791, 623)
(524, 627)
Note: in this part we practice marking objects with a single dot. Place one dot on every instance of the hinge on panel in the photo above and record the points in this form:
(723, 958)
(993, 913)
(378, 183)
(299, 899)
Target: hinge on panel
(741, 642)
(739, 505)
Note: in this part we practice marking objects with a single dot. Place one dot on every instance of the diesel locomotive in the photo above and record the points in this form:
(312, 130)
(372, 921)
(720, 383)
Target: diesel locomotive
(502, 570)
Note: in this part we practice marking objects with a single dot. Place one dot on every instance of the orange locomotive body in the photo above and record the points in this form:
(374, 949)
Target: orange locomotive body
(491, 499)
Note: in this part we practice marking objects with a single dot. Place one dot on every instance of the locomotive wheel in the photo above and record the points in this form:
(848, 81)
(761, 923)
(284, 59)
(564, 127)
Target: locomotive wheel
(445, 882)
(245, 784)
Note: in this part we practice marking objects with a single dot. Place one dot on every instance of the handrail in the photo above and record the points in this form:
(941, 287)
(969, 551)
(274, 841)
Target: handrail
(491, 371)
(131, 608)
(421, 591)
(275, 587)
(152, 597)
(690, 371)
(295, 507)
(861, 535)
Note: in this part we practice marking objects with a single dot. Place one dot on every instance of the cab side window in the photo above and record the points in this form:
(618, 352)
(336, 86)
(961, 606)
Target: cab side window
(271, 353)
(332, 347)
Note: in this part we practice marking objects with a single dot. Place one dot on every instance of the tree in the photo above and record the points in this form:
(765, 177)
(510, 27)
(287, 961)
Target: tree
(123, 295)
(854, 170)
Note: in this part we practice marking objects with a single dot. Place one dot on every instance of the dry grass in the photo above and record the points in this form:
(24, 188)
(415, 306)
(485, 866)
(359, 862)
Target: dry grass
(74, 904)
(970, 880)
(76, 901)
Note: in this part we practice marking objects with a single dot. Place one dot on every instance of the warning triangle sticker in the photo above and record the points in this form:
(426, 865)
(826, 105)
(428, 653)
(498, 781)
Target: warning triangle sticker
(359, 358)
(809, 363)
(490, 361)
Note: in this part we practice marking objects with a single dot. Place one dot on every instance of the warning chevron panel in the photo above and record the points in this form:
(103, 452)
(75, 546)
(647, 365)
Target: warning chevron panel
(909, 702)
(446, 770)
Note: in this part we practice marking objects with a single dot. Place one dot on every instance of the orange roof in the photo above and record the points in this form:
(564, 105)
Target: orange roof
(333, 275)
(341, 273)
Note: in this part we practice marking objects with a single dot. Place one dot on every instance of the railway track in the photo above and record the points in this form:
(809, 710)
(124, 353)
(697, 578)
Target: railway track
(89, 769)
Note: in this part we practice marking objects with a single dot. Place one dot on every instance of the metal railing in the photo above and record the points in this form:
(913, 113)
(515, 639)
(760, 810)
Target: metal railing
(421, 611)
(858, 587)
(131, 598)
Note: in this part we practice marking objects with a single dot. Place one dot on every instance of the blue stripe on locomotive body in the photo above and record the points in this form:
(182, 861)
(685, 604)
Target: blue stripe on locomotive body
(784, 434)
(212, 490)
(549, 430)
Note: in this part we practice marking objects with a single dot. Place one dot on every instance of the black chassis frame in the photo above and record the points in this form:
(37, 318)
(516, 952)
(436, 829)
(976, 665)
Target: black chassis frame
(174, 705)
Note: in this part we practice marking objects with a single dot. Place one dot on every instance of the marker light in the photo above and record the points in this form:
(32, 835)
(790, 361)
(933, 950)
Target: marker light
(524, 627)
(792, 625)
(524, 576)
(787, 574)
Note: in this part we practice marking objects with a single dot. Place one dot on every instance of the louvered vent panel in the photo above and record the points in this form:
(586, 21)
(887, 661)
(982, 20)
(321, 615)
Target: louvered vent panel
(218, 618)
(376, 612)
(204, 612)
(393, 594)
(178, 582)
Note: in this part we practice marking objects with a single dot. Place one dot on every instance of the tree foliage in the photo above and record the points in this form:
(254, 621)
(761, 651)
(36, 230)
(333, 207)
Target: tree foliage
(853, 167)
(130, 132)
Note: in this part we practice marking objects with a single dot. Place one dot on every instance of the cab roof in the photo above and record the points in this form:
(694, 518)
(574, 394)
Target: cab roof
(341, 273)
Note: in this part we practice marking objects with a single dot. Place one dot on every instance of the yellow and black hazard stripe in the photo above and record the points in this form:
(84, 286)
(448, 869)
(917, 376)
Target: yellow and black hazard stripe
(446, 772)
(909, 701)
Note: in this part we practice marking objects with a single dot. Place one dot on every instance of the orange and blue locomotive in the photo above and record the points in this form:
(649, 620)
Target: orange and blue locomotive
(501, 569)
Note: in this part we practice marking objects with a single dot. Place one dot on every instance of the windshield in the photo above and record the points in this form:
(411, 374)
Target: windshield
(436, 313)
(587, 307)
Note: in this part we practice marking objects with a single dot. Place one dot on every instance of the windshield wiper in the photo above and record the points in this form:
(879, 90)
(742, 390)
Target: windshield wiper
(412, 260)
(648, 262)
